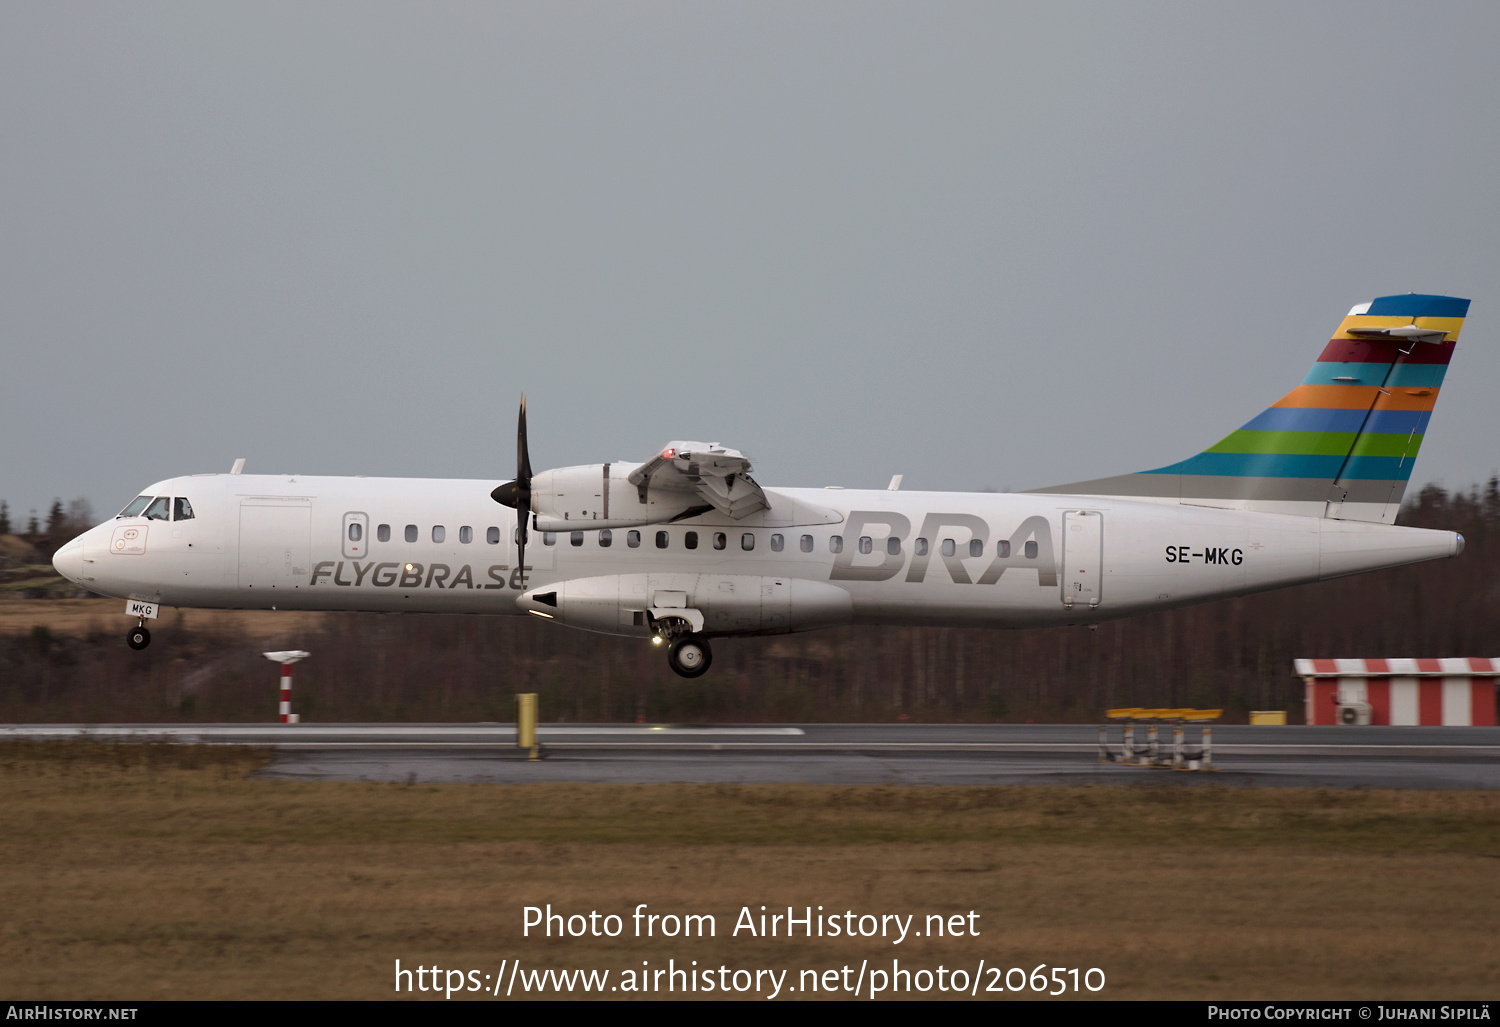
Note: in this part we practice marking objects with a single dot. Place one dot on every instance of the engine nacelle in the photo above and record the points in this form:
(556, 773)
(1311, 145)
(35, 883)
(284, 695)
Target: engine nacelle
(599, 496)
(715, 604)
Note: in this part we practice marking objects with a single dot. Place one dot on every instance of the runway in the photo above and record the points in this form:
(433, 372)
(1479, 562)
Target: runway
(949, 754)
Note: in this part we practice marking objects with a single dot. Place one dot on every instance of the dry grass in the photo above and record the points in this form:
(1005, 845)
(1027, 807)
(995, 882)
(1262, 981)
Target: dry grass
(156, 871)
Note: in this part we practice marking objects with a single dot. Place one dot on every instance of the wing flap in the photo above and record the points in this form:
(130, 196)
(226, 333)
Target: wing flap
(720, 476)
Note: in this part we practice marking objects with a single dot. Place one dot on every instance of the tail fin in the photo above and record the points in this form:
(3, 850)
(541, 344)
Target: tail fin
(1342, 443)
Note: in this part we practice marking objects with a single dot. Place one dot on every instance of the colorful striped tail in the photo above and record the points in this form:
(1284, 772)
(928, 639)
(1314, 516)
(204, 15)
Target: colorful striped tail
(1342, 443)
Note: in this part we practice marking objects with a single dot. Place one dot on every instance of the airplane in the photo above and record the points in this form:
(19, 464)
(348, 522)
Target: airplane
(687, 546)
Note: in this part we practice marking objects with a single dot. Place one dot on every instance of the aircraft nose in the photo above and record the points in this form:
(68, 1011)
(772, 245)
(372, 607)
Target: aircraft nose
(68, 561)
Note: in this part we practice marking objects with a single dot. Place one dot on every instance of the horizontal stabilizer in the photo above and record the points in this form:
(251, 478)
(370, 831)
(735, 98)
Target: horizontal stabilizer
(1404, 332)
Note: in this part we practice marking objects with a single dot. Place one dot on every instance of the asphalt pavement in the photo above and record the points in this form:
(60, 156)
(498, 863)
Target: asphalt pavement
(990, 754)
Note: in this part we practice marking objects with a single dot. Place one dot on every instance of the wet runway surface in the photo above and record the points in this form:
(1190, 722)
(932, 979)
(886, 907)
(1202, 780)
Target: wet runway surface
(1336, 757)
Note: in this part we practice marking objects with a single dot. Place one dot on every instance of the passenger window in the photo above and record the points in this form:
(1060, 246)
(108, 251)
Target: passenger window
(778, 543)
(1031, 550)
(893, 546)
(1002, 548)
(721, 540)
(439, 533)
(575, 538)
(633, 539)
(661, 540)
(159, 510)
(835, 543)
(747, 541)
(921, 547)
(182, 510)
(866, 545)
(606, 538)
(492, 536)
(411, 533)
(949, 547)
(466, 534)
(355, 531)
(136, 506)
(549, 538)
(976, 547)
(383, 533)
(806, 543)
(690, 540)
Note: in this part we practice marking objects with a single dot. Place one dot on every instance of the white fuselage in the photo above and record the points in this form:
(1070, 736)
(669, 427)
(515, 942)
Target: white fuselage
(1000, 560)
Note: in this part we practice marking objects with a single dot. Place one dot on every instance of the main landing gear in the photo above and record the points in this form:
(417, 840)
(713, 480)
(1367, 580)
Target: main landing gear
(138, 637)
(690, 656)
(688, 653)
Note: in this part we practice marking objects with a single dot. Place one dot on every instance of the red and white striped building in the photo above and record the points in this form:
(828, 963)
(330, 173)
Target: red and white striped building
(1454, 691)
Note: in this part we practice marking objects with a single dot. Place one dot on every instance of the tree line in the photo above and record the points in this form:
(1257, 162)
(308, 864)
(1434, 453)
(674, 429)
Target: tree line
(1233, 654)
(62, 523)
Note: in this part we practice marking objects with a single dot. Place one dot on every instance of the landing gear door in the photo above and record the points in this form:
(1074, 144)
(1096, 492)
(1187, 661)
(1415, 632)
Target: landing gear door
(1082, 558)
(356, 535)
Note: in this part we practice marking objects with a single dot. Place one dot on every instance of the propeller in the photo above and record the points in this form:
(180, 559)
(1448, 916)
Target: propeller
(517, 493)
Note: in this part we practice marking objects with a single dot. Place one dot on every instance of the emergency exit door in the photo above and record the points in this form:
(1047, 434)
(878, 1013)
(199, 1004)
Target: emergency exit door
(1083, 558)
(356, 535)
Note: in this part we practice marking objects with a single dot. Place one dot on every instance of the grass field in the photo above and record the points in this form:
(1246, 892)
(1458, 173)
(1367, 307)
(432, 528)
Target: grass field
(75, 617)
(155, 871)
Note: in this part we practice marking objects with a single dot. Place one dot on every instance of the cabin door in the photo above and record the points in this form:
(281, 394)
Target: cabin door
(1082, 558)
(275, 536)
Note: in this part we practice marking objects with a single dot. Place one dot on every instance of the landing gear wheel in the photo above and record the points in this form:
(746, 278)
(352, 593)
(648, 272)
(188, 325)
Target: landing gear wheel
(690, 657)
(138, 638)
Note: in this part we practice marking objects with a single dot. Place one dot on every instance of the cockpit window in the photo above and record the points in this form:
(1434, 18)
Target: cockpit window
(136, 506)
(159, 510)
(182, 510)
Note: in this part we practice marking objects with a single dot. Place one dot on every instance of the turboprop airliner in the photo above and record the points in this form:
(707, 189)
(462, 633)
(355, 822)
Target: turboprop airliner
(687, 546)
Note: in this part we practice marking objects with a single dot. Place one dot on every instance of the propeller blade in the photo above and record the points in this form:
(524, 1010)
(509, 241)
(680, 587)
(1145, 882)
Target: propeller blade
(523, 451)
(517, 493)
(523, 494)
(523, 512)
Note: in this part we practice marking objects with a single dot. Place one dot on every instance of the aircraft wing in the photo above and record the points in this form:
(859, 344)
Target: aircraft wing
(719, 476)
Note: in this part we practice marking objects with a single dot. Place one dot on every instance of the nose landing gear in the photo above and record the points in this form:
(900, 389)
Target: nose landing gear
(138, 637)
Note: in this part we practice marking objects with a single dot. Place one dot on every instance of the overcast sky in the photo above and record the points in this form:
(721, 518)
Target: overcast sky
(978, 244)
